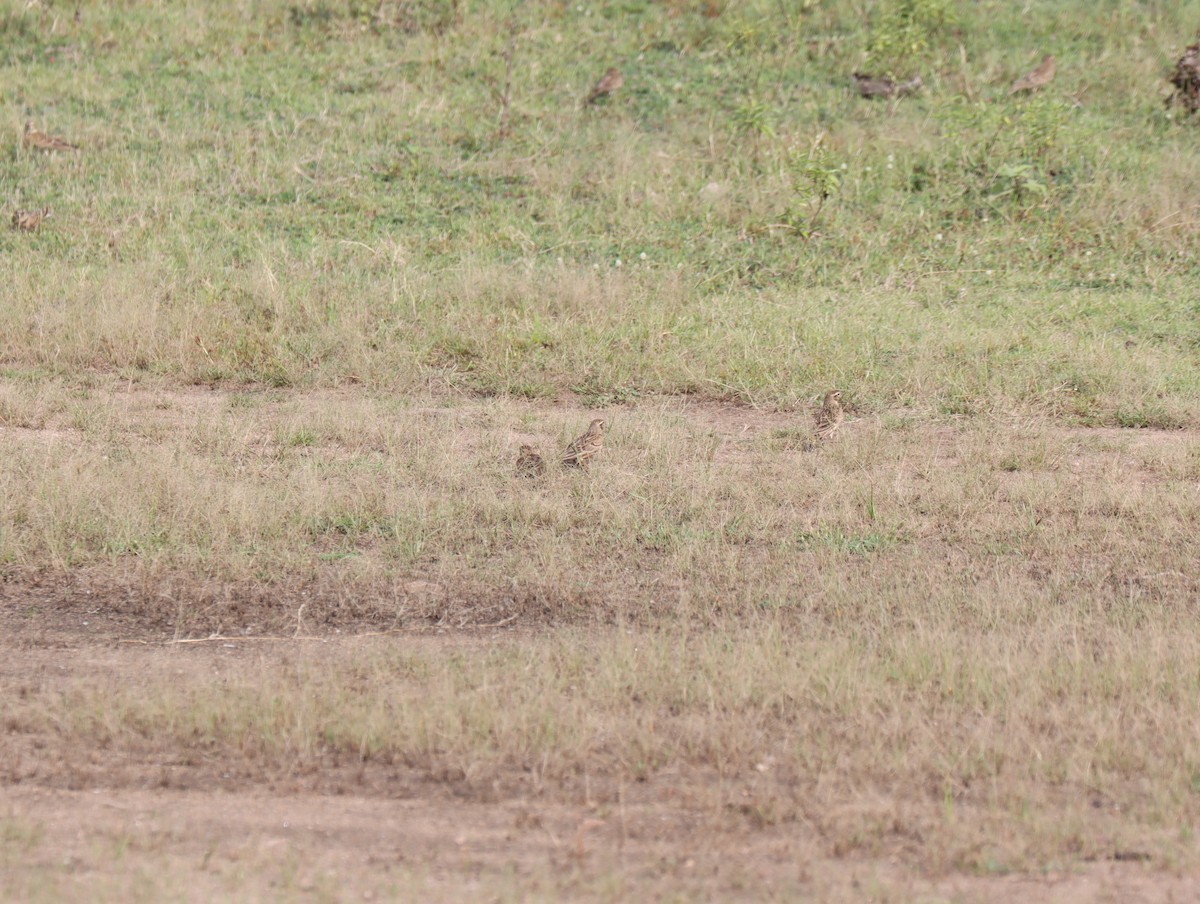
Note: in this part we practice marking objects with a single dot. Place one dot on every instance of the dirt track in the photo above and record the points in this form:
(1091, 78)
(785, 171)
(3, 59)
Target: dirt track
(205, 845)
(177, 824)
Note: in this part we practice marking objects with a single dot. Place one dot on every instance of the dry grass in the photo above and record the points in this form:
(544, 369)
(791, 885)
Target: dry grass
(690, 511)
(266, 370)
(947, 748)
(964, 646)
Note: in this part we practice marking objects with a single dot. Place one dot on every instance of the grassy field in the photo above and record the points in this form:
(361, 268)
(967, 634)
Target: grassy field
(318, 268)
(302, 195)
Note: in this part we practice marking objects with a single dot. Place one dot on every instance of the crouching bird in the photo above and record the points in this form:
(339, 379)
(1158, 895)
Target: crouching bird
(529, 462)
(1036, 78)
(38, 140)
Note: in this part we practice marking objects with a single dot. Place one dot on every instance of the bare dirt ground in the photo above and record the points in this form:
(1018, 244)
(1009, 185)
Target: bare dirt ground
(171, 825)
(177, 823)
(205, 846)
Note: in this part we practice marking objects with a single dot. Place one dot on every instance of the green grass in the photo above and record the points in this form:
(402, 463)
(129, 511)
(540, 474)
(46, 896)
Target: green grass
(265, 371)
(304, 195)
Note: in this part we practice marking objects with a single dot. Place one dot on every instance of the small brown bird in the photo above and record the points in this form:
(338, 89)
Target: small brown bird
(1036, 78)
(586, 447)
(872, 86)
(529, 462)
(1186, 79)
(829, 416)
(30, 220)
(609, 82)
(38, 140)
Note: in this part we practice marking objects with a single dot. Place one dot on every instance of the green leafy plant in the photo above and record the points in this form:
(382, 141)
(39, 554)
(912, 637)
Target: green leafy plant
(904, 35)
(754, 117)
(817, 176)
(1020, 180)
(1002, 157)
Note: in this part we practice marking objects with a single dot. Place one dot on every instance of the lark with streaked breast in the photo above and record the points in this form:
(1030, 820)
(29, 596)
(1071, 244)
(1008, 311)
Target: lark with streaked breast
(586, 446)
(870, 86)
(830, 415)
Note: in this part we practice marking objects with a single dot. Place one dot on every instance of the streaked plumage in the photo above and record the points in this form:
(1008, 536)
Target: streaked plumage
(609, 82)
(585, 447)
(1036, 78)
(40, 141)
(30, 220)
(829, 416)
(870, 86)
(1186, 79)
(529, 462)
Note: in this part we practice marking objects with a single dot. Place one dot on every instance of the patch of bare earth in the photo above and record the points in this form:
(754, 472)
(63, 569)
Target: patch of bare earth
(204, 846)
(189, 824)
(861, 726)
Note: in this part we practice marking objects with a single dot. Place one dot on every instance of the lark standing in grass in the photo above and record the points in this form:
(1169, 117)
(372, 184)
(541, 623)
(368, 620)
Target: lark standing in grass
(609, 82)
(30, 220)
(38, 140)
(529, 462)
(830, 415)
(1036, 78)
(586, 447)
